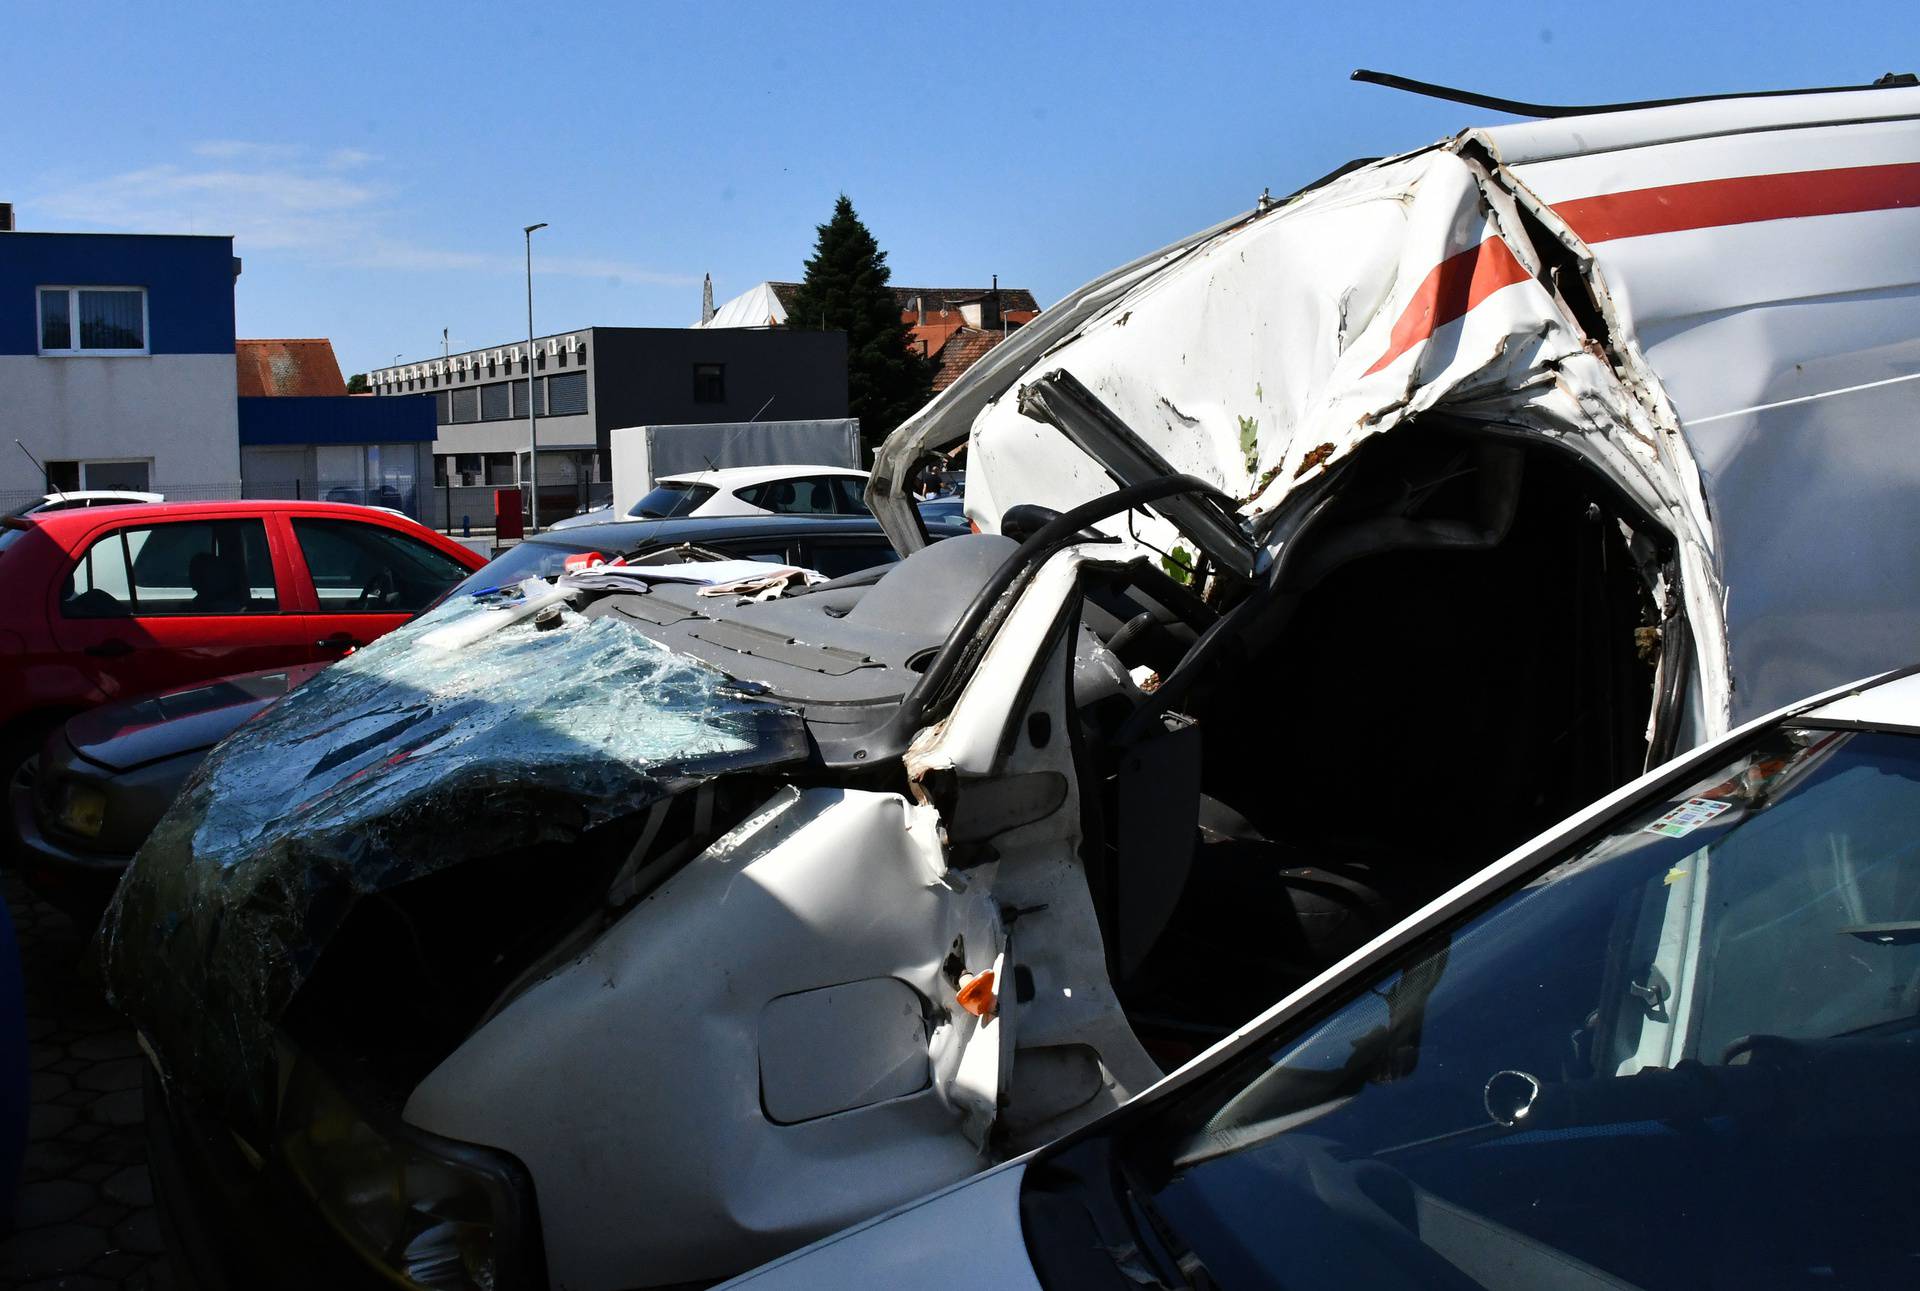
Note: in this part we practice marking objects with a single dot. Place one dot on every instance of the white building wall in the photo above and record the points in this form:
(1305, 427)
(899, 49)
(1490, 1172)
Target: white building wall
(178, 410)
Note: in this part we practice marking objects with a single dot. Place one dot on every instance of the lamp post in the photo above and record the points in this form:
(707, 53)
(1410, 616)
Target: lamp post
(533, 432)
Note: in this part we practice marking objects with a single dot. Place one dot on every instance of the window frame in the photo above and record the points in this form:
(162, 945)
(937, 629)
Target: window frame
(333, 526)
(117, 534)
(86, 463)
(718, 374)
(75, 351)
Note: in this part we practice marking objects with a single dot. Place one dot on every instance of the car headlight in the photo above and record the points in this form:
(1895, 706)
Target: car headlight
(83, 810)
(428, 1212)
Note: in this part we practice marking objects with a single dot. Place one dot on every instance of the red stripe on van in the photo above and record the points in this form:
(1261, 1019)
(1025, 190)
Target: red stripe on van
(1744, 199)
(1462, 281)
(1454, 286)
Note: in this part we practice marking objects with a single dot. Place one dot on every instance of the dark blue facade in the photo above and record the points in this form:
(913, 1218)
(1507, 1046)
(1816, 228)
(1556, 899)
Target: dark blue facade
(189, 282)
(335, 419)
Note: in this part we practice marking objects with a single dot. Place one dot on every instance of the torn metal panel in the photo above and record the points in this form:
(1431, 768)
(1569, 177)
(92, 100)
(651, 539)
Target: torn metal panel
(693, 1133)
(1644, 287)
(1268, 352)
(393, 764)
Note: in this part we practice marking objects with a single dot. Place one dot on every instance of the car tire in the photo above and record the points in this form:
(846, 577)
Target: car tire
(20, 744)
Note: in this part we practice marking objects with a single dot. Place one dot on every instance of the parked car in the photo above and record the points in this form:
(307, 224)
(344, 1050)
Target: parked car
(629, 933)
(947, 504)
(384, 496)
(110, 603)
(104, 778)
(747, 490)
(832, 545)
(950, 507)
(87, 498)
(1699, 997)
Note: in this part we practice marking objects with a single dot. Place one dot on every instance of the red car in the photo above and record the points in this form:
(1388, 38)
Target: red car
(101, 604)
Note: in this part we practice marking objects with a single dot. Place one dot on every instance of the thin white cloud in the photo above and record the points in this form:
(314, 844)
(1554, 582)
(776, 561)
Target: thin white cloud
(286, 199)
(242, 150)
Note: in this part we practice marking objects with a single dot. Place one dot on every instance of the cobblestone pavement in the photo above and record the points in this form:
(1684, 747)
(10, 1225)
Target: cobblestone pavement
(84, 1220)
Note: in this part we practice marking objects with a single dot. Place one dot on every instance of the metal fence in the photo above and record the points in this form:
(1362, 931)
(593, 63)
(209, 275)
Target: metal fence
(452, 508)
(464, 509)
(398, 494)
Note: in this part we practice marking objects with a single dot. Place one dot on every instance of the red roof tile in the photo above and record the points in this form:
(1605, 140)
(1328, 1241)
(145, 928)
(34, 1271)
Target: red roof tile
(302, 366)
(963, 349)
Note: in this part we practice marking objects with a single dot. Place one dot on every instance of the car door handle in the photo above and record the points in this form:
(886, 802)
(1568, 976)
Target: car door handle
(111, 648)
(338, 641)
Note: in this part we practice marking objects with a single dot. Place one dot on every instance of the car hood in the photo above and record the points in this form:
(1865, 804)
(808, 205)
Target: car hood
(418, 754)
(124, 736)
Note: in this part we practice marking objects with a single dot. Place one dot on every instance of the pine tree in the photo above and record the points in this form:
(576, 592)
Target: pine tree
(845, 289)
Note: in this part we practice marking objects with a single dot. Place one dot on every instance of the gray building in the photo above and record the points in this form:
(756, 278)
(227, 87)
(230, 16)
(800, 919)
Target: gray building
(590, 382)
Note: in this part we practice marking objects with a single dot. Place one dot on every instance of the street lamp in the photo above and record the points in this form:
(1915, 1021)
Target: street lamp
(533, 432)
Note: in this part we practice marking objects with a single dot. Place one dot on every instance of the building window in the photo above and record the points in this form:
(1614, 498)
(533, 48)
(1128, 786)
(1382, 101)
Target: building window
(567, 395)
(709, 383)
(93, 320)
(442, 409)
(127, 476)
(520, 398)
(466, 405)
(501, 469)
(493, 402)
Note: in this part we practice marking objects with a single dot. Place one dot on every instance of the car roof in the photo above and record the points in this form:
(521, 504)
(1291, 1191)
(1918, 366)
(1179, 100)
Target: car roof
(87, 495)
(86, 517)
(1894, 701)
(625, 535)
(733, 477)
(71, 523)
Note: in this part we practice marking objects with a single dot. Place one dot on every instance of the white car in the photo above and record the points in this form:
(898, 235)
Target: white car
(1339, 550)
(1659, 1046)
(88, 498)
(745, 491)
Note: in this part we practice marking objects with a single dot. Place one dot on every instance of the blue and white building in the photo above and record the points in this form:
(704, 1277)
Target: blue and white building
(117, 363)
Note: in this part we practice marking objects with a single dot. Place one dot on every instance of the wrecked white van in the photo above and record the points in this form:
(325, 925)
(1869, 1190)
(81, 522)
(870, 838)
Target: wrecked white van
(1331, 553)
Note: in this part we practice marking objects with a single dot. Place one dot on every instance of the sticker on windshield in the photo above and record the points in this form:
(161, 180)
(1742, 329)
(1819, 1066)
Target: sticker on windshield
(1687, 817)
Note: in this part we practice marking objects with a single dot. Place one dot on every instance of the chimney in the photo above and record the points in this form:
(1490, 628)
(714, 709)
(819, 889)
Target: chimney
(920, 304)
(706, 300)
(6, 217)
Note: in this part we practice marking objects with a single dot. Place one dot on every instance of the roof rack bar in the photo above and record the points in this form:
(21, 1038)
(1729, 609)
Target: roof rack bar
(1892, 80)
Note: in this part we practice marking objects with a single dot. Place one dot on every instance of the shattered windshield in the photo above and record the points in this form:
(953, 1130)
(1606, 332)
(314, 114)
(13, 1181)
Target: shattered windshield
(1664, 1063)
(405, 758)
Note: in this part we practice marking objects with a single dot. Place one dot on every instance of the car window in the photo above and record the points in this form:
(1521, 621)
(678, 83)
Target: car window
(671, 500)
(368, 569)
(807, 495)
(843, 556)
(1662, 1063)
(188, 567)
(849, 493)
(753, 549)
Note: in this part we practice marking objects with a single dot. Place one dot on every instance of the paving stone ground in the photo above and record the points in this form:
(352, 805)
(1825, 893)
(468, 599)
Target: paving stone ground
(84, 1220)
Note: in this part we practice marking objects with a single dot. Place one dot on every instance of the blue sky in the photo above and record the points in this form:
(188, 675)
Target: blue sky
(376, 162)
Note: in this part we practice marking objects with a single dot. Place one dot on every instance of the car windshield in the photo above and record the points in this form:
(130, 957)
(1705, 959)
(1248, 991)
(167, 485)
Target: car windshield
(671, 499)
(1684, 1056)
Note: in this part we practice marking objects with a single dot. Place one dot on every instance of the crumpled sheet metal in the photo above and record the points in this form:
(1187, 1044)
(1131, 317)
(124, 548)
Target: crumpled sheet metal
(1268, 352)
(397, 762)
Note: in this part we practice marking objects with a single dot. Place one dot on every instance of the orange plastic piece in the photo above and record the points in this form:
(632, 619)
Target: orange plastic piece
(977, 996)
